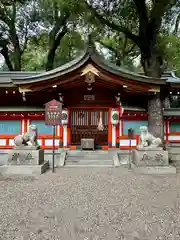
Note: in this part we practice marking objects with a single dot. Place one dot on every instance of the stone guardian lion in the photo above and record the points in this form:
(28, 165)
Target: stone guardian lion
(147, 140)
(28, 139)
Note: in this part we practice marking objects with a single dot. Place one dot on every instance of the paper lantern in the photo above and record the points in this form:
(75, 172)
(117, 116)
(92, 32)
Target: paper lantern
(64, 117)
(114, 117)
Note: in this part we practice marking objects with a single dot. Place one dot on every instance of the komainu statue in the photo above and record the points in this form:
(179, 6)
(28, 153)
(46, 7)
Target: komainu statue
(147, 140)
(28, 139)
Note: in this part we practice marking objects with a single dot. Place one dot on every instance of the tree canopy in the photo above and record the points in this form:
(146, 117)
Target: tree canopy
(43, 34)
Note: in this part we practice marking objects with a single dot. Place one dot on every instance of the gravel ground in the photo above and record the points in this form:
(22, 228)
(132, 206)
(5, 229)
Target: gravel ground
(90, 204)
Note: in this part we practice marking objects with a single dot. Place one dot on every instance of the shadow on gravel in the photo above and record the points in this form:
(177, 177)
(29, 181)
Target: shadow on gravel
(17, 178)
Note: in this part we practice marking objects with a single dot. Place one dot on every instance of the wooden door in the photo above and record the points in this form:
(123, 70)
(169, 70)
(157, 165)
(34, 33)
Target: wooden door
(84, 124)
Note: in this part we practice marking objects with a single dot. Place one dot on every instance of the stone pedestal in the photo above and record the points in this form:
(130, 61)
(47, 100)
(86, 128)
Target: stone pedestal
(23, 156)
(25, 160)
(150, 157)
(156, 170)
(174, 152)
(151, 161)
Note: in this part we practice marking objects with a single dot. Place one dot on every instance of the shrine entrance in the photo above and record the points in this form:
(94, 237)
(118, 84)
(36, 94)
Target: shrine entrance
(89, 123)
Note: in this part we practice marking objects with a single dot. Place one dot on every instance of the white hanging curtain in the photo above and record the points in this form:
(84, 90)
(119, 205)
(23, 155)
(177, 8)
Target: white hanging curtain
(100, 124)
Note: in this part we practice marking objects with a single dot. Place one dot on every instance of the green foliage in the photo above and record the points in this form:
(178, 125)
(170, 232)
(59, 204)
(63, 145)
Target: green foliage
(139, 21)
(10, 2)
(71, 46)
(35, 55)
(171, 51)
(122, 51)
(57, 30)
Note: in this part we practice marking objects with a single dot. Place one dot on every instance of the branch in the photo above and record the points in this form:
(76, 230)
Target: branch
(117, 54)
(60, 36)
(60, 22)
(53, 48)
(107, 46)
(176, 25)
(25, 41)
(143, 16)
(55, 10)
(156, 15)
(114, 26)
(141, 9)
(124, 46)
(130, 50)
(24, 45)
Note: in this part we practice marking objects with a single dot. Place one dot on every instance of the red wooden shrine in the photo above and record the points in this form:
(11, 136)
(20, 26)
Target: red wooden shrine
(93, 92)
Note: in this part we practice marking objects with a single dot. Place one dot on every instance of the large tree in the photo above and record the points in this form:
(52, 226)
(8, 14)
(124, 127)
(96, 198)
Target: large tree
(17, 24)
(25, 21)
(58, 17)
(145, 35)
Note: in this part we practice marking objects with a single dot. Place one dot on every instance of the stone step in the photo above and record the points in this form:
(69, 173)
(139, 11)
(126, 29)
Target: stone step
(85, 161)
(88, 163)
(81, 165)
(89, 158)
(98, 158)
(89, 153)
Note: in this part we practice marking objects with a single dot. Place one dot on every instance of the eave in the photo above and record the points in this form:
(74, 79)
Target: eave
(171, 112)
(41, 109)
(6, 77)
(90, 56)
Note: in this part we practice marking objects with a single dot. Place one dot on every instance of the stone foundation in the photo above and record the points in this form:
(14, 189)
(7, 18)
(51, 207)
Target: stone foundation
(151, 161)
(23, 156)
(174, 152)
(161, 170)
(150, 157)
(25, 160)
(24, 169)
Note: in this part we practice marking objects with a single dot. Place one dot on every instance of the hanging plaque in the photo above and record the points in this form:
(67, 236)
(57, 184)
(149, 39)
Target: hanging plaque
(53, 110)
(89, 97)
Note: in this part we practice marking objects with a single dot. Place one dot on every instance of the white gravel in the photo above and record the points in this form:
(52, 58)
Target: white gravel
(90, 204)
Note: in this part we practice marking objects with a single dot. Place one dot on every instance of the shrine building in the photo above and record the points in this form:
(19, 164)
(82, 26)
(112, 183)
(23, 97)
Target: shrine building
(100, 101)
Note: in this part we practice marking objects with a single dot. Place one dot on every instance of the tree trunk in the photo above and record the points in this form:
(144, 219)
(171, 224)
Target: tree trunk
(152, 67)
(50, 59)
(17, 50)
(155, 116)
(17, 60)
(15, 40)
(151, 63)
(54, 45)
